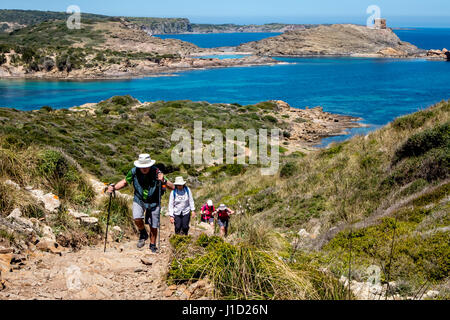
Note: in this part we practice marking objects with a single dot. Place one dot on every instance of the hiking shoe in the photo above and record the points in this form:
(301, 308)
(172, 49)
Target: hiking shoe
(143, 236)
(153, 247)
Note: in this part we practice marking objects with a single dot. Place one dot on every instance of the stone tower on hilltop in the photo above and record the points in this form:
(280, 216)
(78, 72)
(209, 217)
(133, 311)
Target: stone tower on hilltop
(379, 23)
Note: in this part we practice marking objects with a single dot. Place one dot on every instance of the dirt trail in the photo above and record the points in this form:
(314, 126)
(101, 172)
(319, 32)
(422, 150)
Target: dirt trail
(91, 274)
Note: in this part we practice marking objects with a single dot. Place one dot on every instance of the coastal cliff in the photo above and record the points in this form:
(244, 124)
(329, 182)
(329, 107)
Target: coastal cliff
(333, 40)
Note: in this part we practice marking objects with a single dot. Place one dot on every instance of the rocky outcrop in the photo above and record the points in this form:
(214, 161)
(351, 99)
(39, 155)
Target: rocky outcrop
(309, 126)
(333, 40)
(50, 201)
(136, 68)
(443, 54)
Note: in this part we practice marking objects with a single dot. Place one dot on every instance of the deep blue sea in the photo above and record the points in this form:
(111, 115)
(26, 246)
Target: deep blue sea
(426, 38)
(377, 90)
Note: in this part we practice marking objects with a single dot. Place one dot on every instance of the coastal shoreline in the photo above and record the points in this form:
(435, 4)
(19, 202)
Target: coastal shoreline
(162, 72)
(172, 72)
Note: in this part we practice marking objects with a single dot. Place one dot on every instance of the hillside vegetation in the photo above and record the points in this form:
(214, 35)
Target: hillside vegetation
(17, 19)
(377, 200)
(104, 139)
(52, 47)
(380, 199)
(33, 17)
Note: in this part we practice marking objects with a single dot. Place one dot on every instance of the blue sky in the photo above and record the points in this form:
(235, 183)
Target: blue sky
(427, 13)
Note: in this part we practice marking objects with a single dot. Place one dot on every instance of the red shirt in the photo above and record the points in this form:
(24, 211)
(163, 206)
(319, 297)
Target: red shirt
(224, 214)
(208, 211)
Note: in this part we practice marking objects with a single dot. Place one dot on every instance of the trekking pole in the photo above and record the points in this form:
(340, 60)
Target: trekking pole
(159, 223)
(109, 214)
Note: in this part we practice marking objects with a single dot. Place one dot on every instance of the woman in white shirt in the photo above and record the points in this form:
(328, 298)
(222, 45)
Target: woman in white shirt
(181, 204)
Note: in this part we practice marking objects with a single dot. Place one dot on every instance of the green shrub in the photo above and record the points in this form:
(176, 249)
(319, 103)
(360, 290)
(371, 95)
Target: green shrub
(414, 256)
(124, 100)
(204, 241)
(420, 143)
(46, 108)
(52, 164)
(63, 177)
(413, 121)
(434, 196)
(288, 170)
(7, 202)
(120, 213)
(33, 211)
(271, 119)
(233, 169)
(332, 151)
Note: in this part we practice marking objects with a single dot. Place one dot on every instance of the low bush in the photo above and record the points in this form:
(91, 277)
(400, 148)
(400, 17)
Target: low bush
(420, 143)
(413, 121)
(120, 213)
(288, 170)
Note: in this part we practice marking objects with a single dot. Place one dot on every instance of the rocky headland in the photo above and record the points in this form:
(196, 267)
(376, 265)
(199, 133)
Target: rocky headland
(334, 40)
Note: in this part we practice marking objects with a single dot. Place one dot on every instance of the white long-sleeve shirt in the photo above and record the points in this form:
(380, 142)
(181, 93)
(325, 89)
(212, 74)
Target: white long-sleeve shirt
(181, 203)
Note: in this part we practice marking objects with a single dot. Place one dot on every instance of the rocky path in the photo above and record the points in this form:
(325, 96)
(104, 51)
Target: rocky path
(123, 272)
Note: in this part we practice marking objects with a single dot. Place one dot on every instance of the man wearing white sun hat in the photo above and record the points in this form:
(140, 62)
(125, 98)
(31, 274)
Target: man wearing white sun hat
(145, 177)
(181, 204)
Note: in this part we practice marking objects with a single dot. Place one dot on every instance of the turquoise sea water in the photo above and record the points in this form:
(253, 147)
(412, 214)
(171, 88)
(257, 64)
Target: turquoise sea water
(377, 90)
(224, 56)
(213, 40)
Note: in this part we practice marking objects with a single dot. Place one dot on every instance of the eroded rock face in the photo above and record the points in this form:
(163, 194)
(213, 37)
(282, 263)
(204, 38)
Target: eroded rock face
(391, 52)
(335, 40)
(438, 54)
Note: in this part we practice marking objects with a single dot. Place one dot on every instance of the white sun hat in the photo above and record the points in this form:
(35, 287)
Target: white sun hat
(179, 181)
(144, 161)
(222, 207)
(210, 203)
